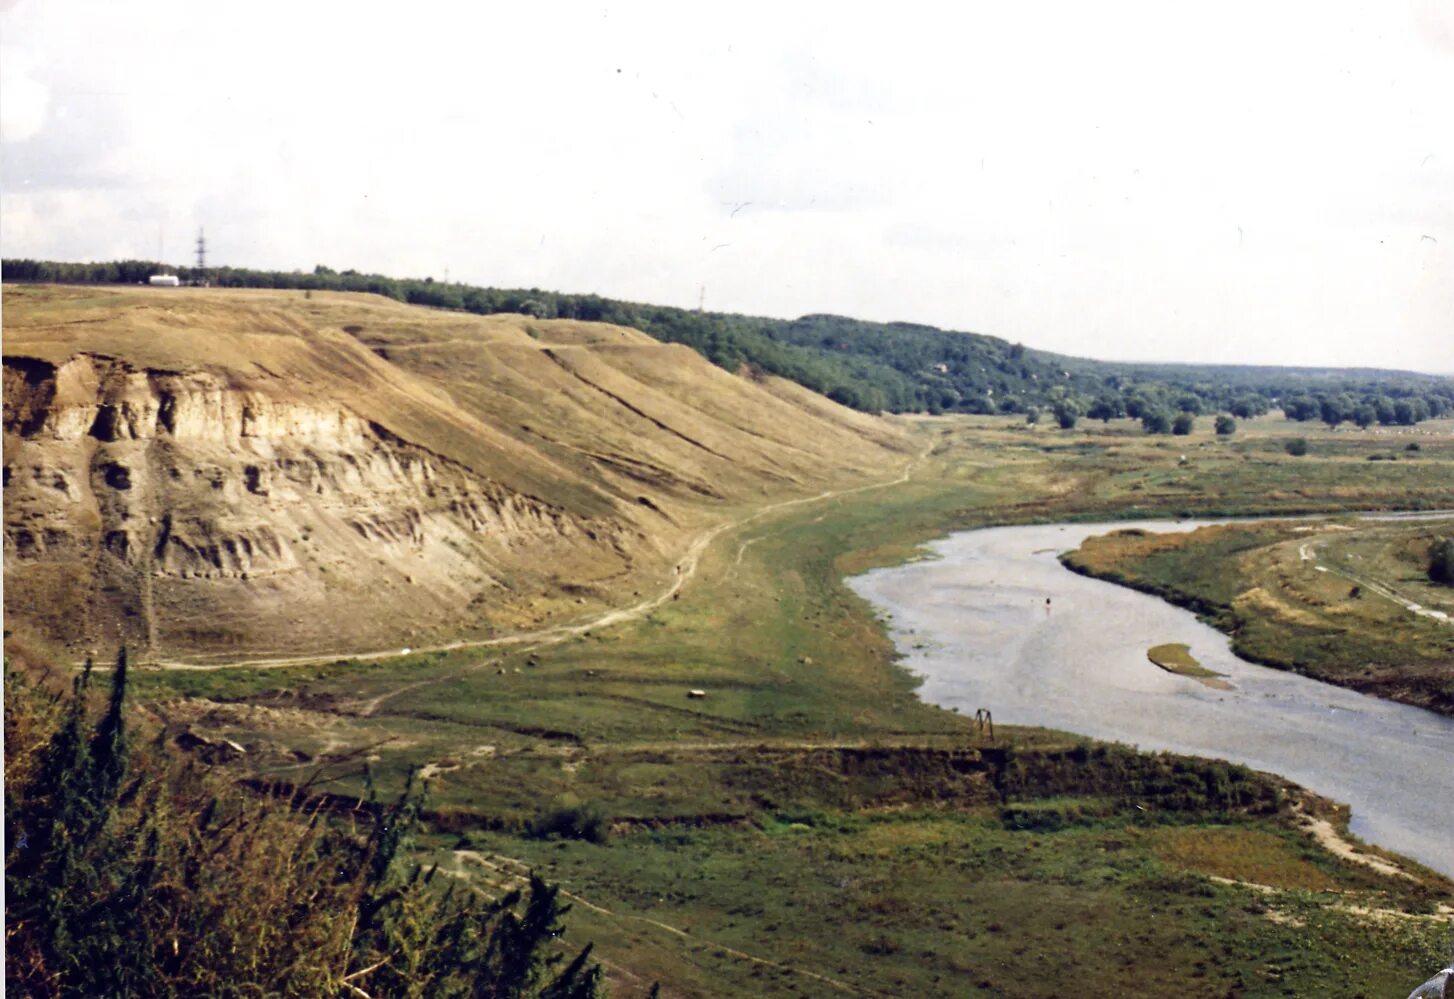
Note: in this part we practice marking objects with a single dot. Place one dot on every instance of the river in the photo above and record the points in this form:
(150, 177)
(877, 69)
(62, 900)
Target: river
(975, 624)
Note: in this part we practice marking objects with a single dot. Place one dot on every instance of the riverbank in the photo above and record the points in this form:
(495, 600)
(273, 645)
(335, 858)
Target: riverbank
(994, 621)
(1347, 601)
(812, 815)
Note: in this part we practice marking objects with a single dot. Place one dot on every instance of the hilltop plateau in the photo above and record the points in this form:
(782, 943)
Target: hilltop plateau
(897, 367)
(231, 473)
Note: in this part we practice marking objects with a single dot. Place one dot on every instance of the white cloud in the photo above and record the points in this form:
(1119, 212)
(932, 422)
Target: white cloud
(1126, 179)
(25, 99)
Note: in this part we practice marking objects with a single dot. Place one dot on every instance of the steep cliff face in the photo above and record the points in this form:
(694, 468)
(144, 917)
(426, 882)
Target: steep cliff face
(189, 515)
(242, 476)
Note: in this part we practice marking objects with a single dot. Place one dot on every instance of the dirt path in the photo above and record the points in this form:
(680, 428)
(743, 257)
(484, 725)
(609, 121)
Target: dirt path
(1389, 593)
(684, 570)
(1309, 553)
(1328, 838)
(742, 548)
(1442, 913)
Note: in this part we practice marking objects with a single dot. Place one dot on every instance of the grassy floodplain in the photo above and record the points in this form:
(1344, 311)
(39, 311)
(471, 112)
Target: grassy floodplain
(1346, 602)
(810, 827)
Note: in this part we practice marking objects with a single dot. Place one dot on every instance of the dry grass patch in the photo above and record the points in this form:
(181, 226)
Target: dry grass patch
(1238, 854)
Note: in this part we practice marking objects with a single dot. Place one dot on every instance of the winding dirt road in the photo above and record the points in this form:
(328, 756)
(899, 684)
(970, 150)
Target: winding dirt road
(685, 569)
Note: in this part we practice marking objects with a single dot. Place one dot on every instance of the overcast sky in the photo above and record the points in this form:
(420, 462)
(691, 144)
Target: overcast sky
(1244, 182)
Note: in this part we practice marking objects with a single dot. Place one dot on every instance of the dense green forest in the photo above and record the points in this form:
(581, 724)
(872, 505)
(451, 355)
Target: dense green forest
(895, 367)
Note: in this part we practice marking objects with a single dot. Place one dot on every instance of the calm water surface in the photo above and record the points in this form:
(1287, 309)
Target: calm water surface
(974, 623)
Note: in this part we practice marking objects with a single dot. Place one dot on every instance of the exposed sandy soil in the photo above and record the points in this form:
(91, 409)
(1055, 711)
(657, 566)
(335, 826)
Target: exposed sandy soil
(1329, 839)
(212, 474)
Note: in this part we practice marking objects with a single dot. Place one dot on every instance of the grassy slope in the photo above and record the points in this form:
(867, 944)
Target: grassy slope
(595, 453)
(934, 903)
(402, 367)
(750, 829)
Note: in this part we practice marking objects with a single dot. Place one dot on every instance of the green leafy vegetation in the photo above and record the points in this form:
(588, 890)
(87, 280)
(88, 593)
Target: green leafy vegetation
(811, 818)
(131, 873)
(954, 897)
(1067, 414)
(1155, 421)
(571, 818)
(1441, 561)
(812, 813)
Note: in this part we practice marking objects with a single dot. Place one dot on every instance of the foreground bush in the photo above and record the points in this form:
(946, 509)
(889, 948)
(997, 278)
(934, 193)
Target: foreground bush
(131, 873)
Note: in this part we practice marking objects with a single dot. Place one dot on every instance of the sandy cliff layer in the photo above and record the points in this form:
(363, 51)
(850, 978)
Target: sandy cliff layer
(210, 473)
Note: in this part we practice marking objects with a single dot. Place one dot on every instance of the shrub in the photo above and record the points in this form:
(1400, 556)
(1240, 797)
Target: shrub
(1441, 561)
(1156, 421)
(130, 872)
(570, 818)
(1043, 816)
(1225, 426)
(1183, 424)
(1297, 447)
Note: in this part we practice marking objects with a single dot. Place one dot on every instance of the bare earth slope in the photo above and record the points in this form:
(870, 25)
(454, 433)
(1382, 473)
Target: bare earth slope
(212, 473)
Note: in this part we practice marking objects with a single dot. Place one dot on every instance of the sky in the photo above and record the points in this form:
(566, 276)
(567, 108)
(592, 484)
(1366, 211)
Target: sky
(1264, 182)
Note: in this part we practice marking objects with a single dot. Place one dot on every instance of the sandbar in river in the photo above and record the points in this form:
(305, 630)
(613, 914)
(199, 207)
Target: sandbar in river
(974, 623)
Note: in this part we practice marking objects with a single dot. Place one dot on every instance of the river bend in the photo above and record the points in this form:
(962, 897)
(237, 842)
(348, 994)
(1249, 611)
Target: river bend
(974, 623)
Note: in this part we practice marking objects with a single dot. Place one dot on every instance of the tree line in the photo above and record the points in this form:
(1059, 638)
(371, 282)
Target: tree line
(1164, 407)
(874, 366)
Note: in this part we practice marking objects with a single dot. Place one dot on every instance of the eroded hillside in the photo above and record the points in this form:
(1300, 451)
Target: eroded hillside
(214, 473)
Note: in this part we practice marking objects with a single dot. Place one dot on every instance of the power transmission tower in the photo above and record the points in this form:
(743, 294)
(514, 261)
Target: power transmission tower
(200, 278)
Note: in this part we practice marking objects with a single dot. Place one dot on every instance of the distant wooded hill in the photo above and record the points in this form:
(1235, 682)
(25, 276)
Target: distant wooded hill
(897, 367)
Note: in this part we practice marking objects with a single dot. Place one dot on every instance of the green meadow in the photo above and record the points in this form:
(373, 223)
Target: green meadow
(808, 826)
